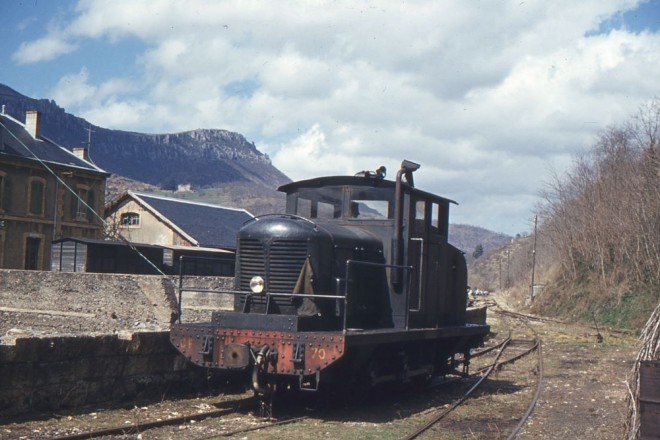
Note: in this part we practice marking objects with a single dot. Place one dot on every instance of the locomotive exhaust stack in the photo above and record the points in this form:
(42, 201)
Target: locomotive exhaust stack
(406, 170)
(356, 283)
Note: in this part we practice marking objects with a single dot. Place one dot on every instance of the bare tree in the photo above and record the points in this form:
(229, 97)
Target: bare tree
(603, 216)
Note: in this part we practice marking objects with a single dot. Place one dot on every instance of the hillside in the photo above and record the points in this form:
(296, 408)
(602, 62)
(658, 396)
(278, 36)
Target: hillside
(467, 238)
(203, 158)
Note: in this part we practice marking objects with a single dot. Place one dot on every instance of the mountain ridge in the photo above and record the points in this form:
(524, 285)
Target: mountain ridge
(201, 157)
(220, 166)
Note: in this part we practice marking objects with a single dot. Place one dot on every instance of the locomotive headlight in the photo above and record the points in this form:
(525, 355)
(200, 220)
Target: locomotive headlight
(257, 284)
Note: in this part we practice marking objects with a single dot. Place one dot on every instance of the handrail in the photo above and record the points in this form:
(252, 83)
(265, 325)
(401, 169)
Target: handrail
(350, 264)
(181, 275)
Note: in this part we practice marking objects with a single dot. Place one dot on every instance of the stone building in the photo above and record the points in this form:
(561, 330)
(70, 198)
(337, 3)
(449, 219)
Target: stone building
(166, 221)
(46, 192)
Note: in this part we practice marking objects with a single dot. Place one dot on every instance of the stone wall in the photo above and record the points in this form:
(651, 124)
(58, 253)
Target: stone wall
(46, 303)
(73, 339)
(58, 372)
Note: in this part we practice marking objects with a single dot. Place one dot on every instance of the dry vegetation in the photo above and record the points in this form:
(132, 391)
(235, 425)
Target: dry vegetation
(604, 216)
(597, 250)
(603, 220)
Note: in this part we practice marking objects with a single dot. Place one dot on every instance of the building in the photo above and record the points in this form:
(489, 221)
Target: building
(166, 221)
(46, 192)
(115, 256)
(180, 227)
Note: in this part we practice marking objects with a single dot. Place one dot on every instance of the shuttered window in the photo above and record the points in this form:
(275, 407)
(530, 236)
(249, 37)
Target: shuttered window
(130, 219)
(5, 193)
(83, 204)
(91, 203)
(81, 209)
(37, 192)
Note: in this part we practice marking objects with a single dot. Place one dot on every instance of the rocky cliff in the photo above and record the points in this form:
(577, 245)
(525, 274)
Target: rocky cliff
(203, 158)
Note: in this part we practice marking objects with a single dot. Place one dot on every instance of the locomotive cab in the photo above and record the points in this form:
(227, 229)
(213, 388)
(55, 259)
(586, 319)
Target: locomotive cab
(358, 273)
(397, 236)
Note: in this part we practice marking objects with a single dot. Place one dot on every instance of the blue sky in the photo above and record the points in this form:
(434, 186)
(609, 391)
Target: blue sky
(489, 96)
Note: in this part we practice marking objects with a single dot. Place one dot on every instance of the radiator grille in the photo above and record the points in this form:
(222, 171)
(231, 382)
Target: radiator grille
(280, 262)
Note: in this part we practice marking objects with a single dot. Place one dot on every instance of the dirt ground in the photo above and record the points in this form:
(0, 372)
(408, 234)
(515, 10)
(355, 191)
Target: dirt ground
(583, 397)
(584, 389)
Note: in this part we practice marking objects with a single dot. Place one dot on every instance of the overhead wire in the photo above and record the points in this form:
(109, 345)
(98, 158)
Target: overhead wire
(105, 224)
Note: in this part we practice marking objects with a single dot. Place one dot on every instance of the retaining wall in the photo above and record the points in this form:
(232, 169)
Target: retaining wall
(55, 372)
(34, 302)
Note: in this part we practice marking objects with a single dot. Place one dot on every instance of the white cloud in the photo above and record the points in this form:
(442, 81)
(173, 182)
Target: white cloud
(123, 114)
(43, 49)
(75, 90)
(309, 155)
(485, 95)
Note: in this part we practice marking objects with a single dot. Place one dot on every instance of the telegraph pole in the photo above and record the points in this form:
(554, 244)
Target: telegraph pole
(507, 282)
(531, 293)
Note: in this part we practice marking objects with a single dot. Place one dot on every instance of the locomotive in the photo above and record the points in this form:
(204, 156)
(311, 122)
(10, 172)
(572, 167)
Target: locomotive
(355, 284)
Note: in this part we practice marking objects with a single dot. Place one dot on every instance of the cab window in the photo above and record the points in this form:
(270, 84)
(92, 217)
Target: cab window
(371, 204)
(319, 202)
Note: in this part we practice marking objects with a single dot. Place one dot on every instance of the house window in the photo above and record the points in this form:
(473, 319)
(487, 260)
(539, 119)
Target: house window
(5, 193)
(130, 219)
(82, 206)
(37, 196)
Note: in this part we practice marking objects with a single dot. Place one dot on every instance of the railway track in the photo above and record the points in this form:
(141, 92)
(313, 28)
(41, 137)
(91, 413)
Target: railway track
(231, 407)
(137, 429)
(521, 348)
(234, 418)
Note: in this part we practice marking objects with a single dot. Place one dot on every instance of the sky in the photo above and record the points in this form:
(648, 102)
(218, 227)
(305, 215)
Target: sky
(491, 97)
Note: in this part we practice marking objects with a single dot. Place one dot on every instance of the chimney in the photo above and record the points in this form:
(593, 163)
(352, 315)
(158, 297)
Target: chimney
(81, 153)
(32, 122)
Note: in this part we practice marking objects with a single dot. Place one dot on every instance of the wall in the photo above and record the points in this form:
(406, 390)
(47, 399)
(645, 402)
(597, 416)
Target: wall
(71, 339)
(58, 372)
(35, 302)
(56, 220)
(150, 230)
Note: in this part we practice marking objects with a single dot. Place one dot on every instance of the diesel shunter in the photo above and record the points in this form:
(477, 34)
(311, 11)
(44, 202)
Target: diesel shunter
(355, 284)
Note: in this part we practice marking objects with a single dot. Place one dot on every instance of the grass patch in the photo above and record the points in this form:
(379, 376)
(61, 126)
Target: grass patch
(631, 311)
(587, 301)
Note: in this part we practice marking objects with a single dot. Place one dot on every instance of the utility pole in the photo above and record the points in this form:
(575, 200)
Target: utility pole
(531, 293)
(507, 282)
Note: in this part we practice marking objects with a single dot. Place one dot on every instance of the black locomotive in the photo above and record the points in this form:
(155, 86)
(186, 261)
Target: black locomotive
(356, 283)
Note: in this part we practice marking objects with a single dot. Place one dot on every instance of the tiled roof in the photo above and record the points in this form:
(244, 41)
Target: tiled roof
(210, 225)
(14, 139)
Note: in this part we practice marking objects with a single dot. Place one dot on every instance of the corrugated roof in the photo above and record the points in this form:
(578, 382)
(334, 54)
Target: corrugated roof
(14, 139)
(210, 225)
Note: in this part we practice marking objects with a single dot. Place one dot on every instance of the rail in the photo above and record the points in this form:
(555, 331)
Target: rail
(535, 345)
(452, 407)
(124, 430)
